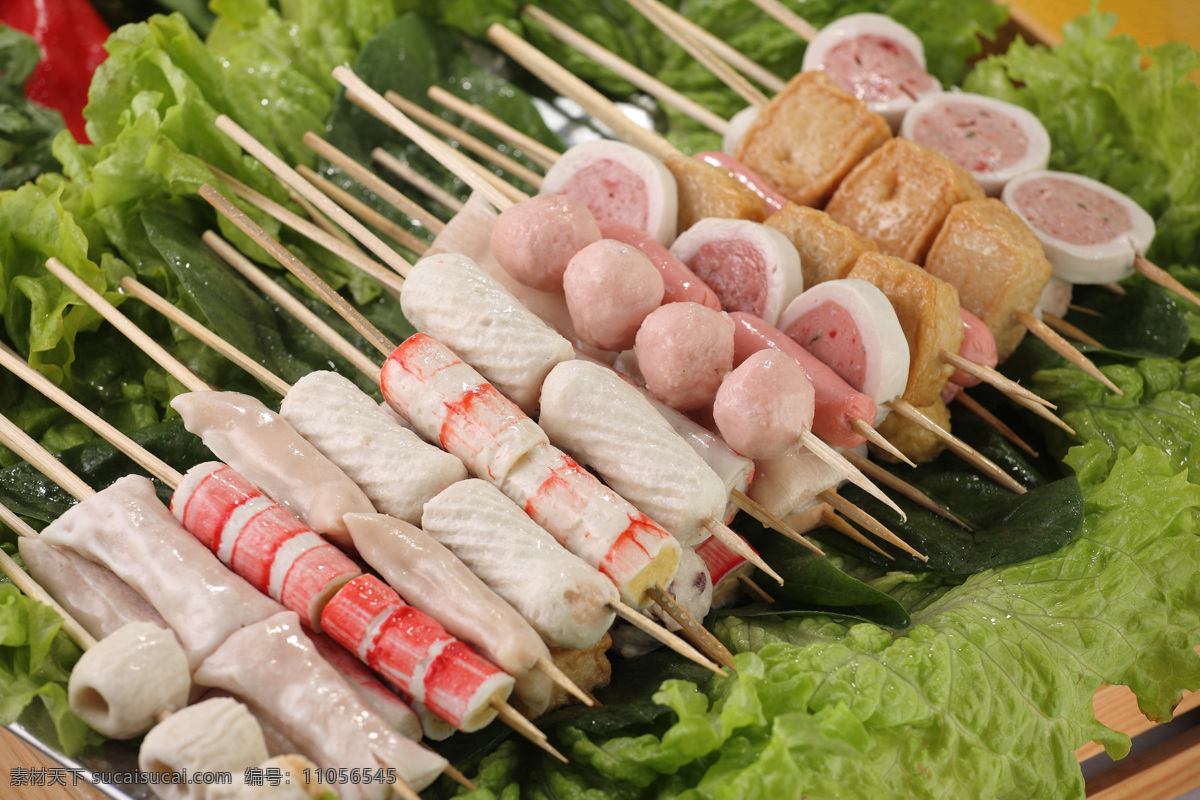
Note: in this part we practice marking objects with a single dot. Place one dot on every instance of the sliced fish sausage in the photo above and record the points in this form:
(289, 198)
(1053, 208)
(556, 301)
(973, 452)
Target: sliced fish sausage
(680, 284)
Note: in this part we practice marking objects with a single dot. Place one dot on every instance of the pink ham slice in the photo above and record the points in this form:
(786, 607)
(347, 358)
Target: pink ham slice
(850, 326)
(751, 267)
(618, 183)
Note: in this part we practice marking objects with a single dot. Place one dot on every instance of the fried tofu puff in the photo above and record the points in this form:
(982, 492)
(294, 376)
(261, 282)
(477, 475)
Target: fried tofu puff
(927, 308)
(997, 264)
(827, 249)
(809, 137)
(899, 197)
(911, 439)
(707, 191)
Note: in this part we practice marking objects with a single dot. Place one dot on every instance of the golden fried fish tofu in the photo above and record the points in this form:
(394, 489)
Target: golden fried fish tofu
(997, 264)
(809, 137)
(910, 438)
(927, 308)
(706, 191)
(899, 195)
(827, 249)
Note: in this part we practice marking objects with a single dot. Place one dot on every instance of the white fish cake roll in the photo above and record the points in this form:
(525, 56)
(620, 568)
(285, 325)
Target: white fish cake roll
(274, 666)
(395, 468)
(791, 482)
(217, 735)
(606, 424)
(94, 596)
(567, 602)
(121, 684)
(752, 267)
(449, 297)
(272, 455)
(127, 529)
(618, 183)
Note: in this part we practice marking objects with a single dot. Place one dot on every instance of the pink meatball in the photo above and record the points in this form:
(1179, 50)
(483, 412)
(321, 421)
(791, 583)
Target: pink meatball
(533, 240)
(684, 351)
(765, 405)
(610, 288)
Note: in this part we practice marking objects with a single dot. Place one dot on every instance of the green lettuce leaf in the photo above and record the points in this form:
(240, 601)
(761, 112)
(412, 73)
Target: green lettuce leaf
(26, 128)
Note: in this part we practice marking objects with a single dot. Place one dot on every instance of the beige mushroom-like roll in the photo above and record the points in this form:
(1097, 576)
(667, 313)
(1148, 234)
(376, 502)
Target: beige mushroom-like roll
(217, 735)
(128, 678)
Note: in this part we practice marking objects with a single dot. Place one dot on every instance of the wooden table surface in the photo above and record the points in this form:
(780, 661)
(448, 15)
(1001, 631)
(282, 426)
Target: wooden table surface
(16, 755)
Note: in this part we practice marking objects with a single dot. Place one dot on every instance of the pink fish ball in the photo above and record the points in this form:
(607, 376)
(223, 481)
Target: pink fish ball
(610, 288)
(684, 351)
(765, 405)
(533, 240)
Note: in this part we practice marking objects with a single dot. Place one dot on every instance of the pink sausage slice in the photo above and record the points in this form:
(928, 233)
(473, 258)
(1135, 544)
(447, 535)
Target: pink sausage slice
(751, 267)
(610, 287)
(533, 240)
(836, 403)
(680, 284)
(978, 345)
(765, 405)
(685, 350)
(618, 183)
(745, 176)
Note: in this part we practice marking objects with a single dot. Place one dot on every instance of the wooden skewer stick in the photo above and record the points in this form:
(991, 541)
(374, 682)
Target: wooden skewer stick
(873, 436)
(903, 487)
(744, 64)
(1044, 413)
(32, 589)
(698, 50)
(523, 726)
(1158, 275)
(483, 179)
(292, 179)
(836, 460)
(388, 193)
(1067, 329)
(320, 220)
(788, 18)
(385, 346)
(1061, 346)
(692, 628)
(117, 319)
(754, 589)
(831, 519)
(994, 378)
(539, 153)
(457, 134)
(642, 80)
(738, 545)
(964, 451)
(189, 324)
(873, 525)
(364, 212)
(642, 623)
(770, 519)
(973, 405)
(415, 179)
(293, 306)
(1081, 310)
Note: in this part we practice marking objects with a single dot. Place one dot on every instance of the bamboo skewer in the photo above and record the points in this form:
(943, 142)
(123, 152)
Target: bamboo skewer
(973, 405)
(876, 438)
(832, 520)
(642, 80)
(420, 182)
(903, 487)
(873, 525)
(990, 376)
(788, 18)
(472, 143)
(1067, 329)
(1158, 275)
(836, 460)
(289, 303)
(984, 464)
(738, 545)
(691, 627)
(364, 213)
(700, 51)
(388, 193)
(372, 334)
(770, 519)
(292, 179)
(754, 589)
(1061, 346)
(643, 624)
(537, 152)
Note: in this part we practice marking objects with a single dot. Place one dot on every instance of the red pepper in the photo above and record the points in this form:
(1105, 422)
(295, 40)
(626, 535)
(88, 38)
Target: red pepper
(71, 35)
